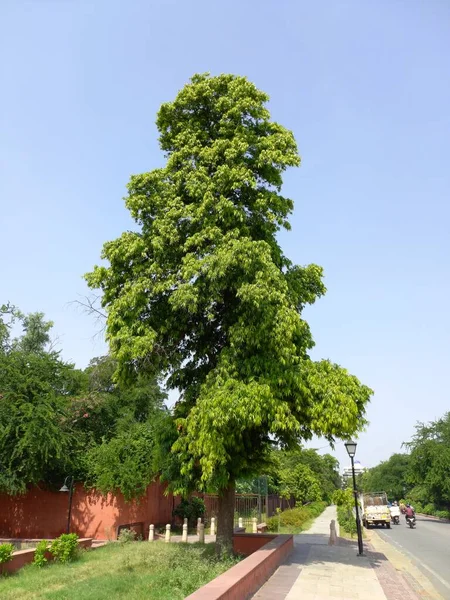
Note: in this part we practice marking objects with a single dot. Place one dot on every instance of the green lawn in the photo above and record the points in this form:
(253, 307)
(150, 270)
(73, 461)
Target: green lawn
(138, 570)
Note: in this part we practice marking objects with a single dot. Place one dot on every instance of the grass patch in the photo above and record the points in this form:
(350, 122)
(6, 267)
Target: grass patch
(139, 570)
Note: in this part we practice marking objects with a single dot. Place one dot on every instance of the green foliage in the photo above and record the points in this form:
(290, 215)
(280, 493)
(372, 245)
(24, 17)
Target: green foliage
(304, 474)
(442, 514)
(118, 571)
(34, 431)
(36, 335)
(124, 463)
(430, 460)
(295, 520)
(203, 293)
(301, 483)
(345, 501)
(40, 559)
(391, 476)
(344, 498)
(346, 520)
(64, 548)
(126, 536)
(6, 552)
(190, 508)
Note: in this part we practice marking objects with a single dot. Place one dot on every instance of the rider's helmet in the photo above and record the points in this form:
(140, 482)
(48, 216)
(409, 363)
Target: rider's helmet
(408, 506)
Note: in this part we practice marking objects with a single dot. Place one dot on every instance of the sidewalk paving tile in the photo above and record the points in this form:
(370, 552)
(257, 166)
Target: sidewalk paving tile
(316, 571)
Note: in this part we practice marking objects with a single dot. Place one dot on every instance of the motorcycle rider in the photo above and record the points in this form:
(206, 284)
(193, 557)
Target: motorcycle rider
(409, 512)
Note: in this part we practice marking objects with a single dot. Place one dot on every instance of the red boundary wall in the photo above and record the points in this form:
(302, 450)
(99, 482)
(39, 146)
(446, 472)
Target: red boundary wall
(43, 514)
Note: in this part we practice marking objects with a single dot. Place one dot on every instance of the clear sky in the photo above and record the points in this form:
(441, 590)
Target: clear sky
(365, 87)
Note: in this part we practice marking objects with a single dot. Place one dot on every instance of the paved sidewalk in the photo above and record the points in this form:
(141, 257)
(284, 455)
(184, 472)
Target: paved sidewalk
(317, 571)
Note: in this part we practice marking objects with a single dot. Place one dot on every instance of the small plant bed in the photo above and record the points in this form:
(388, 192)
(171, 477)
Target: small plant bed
(135, 570)
(295, 520)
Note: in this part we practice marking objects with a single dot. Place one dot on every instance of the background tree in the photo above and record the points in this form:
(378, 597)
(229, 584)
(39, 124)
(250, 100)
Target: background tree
(390, 476)
(301, 483)
(204, 295)
(430, 461)
(55, 419)
(35, 387)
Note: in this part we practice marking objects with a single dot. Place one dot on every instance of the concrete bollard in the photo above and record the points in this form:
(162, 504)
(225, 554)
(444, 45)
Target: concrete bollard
(254, 525)
(199, 522)
(240, 522)
(213, 526)
(333, 535)
(201, 533)
(151, 533)
(167, 538)
(184, 537)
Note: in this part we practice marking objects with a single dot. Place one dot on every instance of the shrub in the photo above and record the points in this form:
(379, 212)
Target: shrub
(442, 514)
(346, 520)
(65, 547)
(428, 509)
(295, 518)
(126, 536)
(191, 509)
(39, 554)
(6, 552)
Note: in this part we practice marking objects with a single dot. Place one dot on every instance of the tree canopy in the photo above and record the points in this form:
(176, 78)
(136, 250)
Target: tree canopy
(203, 293)
(57, 420)
(430, 460)
(423, 475)
(390, 476)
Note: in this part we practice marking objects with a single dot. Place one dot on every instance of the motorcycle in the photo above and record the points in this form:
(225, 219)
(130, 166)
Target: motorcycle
(411, 521)
(395, 514)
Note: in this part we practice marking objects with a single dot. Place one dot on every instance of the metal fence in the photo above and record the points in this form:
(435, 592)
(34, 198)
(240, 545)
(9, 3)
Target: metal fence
(248, 506)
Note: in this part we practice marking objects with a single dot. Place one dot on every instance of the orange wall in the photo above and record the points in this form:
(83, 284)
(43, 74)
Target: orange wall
(43, 514)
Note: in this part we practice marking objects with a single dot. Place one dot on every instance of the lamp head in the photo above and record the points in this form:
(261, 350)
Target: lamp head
(351, 448)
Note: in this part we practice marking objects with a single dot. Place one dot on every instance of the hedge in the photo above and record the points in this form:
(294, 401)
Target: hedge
(294, 519)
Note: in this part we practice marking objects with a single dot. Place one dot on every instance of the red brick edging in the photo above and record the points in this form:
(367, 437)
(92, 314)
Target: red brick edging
(20, 558)
(245, 578)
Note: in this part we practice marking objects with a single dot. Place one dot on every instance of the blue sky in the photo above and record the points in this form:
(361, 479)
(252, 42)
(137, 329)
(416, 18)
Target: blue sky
(364, 86)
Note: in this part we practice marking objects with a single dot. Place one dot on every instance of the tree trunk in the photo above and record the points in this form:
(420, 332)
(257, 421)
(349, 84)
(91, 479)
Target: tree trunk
(225, 520)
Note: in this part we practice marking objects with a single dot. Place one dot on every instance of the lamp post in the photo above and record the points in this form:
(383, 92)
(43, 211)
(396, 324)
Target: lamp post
(69, 488)
(351, 450)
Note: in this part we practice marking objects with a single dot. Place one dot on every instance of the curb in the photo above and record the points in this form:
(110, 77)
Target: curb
(433, 518)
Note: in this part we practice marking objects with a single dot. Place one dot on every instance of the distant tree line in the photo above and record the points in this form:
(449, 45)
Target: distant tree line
(422, 475)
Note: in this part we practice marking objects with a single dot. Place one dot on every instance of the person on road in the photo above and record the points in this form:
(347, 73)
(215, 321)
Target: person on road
(409, 512)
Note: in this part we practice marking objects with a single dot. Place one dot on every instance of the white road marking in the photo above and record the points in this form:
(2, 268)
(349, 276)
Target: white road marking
(420, 562)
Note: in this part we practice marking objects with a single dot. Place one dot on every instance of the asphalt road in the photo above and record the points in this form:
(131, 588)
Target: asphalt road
(428, 545)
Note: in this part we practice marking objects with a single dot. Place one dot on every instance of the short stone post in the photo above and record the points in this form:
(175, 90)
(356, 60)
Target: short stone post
(167, 538)
(254, 525)
(201, 533)
(333, 536)
(184, 536)
(199, 522)
(213, 526)
(151, 533)
(241, 522)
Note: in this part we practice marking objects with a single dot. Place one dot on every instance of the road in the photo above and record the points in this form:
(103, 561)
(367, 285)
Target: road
(429, 547)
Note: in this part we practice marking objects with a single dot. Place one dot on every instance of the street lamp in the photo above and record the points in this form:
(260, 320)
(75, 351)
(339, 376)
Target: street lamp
(69, 488)
(351, 450)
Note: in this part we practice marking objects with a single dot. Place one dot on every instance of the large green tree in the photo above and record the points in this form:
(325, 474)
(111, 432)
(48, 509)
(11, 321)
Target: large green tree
(35, 387)
(202, 292)
(430, 460)
(390, 476)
